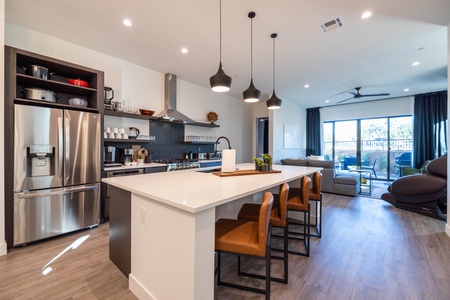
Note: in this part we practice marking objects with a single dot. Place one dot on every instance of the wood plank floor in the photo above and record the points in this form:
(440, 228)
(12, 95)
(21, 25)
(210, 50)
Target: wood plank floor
(369, 250)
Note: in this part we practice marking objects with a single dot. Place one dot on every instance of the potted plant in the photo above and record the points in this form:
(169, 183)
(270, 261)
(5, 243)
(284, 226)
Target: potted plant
(267, 158)
(260, 164)
(140, 159)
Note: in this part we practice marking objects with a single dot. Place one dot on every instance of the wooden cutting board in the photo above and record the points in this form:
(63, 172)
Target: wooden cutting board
(243, 172)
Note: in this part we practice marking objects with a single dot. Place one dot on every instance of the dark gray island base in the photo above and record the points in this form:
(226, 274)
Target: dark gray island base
(120, 229)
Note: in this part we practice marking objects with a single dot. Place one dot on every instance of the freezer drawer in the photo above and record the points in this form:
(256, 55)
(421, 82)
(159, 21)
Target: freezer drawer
(42, 214)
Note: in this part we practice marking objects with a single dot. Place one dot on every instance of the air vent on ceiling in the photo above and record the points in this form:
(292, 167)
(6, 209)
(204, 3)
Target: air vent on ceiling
(331, 25)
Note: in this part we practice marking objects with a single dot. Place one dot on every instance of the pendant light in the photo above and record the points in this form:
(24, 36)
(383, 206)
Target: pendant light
(251, 94)
(220, 82)
(274, 102)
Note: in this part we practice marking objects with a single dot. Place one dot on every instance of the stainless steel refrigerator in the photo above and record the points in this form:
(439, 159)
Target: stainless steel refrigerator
(56, 172)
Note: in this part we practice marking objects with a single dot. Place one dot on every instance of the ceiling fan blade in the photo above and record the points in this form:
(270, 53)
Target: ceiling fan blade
(353, 93)
(375, 95)
(346, 99)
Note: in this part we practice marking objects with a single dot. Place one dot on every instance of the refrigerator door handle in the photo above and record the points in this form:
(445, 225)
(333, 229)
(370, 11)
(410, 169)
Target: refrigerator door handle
(59, 166)
(27, 195)
(66, 148)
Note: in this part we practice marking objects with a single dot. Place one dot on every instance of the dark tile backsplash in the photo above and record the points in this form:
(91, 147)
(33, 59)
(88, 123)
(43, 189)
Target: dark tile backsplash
(169, 142)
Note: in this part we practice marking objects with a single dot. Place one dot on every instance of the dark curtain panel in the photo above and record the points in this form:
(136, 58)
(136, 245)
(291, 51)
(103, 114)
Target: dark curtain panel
(430, 126)
(313, 131)
(266, 136)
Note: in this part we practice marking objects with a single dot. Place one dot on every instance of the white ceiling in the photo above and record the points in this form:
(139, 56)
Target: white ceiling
(374, 53)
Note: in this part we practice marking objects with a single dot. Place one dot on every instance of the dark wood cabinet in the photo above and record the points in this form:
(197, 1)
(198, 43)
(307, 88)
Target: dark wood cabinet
(17, 60)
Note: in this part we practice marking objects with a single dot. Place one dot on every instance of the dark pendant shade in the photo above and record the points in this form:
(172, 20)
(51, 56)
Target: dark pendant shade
(274, 102)
(220, 82)
(251, 94)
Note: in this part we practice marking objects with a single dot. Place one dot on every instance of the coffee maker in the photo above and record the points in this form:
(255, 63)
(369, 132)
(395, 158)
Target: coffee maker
(109, 95)
(127, 155)
(109, 155)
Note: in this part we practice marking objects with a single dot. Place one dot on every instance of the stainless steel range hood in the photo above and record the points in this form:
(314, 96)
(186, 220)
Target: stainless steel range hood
(170, 111)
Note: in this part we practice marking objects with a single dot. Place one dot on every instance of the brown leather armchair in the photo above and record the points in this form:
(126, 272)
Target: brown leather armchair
(422, 193)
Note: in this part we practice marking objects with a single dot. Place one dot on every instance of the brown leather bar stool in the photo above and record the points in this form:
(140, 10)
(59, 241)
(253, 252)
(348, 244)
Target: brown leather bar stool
(315, 194)
(278, 218)
(246, 238)
(298, 201)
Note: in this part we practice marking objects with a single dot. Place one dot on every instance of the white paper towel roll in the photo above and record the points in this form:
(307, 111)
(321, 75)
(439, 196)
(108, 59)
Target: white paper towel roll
(228, 160)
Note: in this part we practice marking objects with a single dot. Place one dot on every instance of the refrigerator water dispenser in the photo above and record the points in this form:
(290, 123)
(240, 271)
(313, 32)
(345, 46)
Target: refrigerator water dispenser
(41, 161)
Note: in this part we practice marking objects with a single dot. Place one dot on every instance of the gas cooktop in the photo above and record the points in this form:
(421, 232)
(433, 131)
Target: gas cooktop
(179, 164)
(174, 161)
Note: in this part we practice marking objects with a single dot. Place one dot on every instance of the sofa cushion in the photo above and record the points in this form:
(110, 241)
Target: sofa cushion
(342, 179)
(295, 162)
(328, 164)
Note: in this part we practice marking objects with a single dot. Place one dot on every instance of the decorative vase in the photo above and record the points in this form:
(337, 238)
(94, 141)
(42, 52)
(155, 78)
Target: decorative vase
(140, 161)
(267, 161)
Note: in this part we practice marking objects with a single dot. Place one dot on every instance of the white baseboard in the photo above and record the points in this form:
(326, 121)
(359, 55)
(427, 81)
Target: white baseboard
(3, 248)
(138, 289)
(447, 229)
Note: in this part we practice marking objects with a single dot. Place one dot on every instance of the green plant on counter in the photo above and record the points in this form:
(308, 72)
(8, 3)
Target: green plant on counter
(267, 159)
(140, 156)
(264, 161)
(260, 162)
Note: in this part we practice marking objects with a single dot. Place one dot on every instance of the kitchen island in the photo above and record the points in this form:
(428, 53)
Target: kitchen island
(172, 224)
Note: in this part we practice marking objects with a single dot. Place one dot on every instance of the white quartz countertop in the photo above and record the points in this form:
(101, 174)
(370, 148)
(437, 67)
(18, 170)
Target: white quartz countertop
(194, 191)
(123, 167)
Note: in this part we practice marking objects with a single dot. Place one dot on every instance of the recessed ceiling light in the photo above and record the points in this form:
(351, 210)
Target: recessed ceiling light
(127, 22)
(327, 101)
(366, 15)
(184, 50)
(306, 86)
(406, 90)
(416, 63)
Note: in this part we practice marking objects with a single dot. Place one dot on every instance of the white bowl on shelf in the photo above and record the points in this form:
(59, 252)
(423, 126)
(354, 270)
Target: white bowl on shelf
(78, 102)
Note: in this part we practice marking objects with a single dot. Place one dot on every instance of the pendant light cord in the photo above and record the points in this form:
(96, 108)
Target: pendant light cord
(220, 30)
(251, 48)
(273, 62)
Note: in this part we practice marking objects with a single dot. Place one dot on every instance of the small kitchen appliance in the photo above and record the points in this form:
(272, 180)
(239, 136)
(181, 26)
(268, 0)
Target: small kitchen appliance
(109, 95)
(134, 133)
(109, 155)
(127, 155)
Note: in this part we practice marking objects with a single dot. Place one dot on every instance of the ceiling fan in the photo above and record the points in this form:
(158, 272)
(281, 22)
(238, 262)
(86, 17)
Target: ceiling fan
(357, 95)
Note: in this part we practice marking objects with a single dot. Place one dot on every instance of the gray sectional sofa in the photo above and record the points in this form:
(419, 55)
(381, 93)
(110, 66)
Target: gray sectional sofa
(335, 182)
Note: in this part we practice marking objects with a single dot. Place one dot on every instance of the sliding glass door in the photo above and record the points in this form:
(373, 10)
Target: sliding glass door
(374, 146)
(382, 145)
(400, 145)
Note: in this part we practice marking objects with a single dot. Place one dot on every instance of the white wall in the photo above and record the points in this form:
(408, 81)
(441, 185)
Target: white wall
(2, 145)
(372, 109)
(290, 114)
